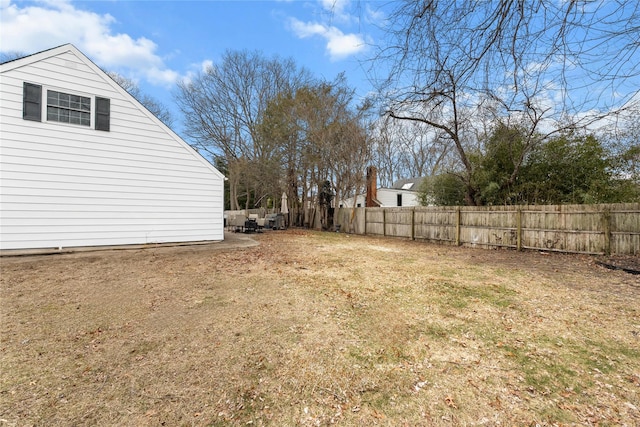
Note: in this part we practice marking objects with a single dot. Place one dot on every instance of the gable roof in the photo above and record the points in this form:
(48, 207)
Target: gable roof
(69, 48)
(26, 56)
(410, 184)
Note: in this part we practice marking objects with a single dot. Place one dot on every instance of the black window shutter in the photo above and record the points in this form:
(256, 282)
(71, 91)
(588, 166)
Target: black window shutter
(103, 113)
(31, 100)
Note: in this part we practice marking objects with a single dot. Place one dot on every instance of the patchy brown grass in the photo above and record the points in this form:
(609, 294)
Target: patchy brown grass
(318, 328)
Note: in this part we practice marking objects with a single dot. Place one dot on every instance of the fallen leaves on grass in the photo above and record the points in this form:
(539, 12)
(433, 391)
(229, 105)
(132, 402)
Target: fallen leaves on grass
(450, 402)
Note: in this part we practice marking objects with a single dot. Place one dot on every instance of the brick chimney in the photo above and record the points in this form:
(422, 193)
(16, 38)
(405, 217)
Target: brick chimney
(372, 188)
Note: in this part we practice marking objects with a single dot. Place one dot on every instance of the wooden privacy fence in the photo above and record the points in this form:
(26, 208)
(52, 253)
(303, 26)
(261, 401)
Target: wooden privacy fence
(590, 229)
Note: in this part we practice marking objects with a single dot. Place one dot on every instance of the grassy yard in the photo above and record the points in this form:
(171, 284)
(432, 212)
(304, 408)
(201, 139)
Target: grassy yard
(317, 329)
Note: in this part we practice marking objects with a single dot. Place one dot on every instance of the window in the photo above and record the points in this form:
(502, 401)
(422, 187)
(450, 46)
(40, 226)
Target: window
(67, 108)
(407, 186)
(399, 200)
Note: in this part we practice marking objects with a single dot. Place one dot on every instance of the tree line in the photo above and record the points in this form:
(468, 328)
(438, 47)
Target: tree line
(274, 129)
(570, 168)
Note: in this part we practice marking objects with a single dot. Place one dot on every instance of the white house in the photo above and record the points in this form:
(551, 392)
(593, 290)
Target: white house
(83, 163)
(402, 193)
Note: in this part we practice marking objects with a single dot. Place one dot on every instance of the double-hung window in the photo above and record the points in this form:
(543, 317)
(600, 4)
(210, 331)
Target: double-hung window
(68, 108)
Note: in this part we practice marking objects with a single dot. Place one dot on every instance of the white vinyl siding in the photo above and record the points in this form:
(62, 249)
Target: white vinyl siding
(348, 203)
(65, 185)
(388, 197)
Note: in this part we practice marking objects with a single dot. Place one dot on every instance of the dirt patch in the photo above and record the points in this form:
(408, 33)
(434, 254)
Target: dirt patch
(316, 329)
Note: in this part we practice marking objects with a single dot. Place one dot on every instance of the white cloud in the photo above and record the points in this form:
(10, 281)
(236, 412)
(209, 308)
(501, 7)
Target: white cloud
(337, 9)
(205, 65)
(194, 70)
(342, 45)
(331, 20)
(374, 15)
(339, 45)
(309, 29)
(162, 76)
(50, 23)
(334, 5)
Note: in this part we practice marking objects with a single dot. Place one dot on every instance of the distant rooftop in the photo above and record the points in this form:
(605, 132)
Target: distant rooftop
(411, 184)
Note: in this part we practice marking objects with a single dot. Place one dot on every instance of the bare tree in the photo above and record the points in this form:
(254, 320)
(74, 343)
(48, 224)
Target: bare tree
(407, 149)
(223, 107)
(150, 103)
(542, 65)
(387, 152)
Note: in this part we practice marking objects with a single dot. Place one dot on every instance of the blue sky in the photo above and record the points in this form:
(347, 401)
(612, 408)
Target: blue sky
(158, 42)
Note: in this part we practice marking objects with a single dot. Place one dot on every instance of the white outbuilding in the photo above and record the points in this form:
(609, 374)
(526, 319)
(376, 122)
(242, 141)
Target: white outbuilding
(402, 193)
(83, 163)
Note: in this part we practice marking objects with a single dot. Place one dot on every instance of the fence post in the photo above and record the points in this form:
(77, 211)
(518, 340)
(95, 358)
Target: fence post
(365, 221)
(458, 226)
(606, 228)
(384, 222)
(519, 229)
(413, 223)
